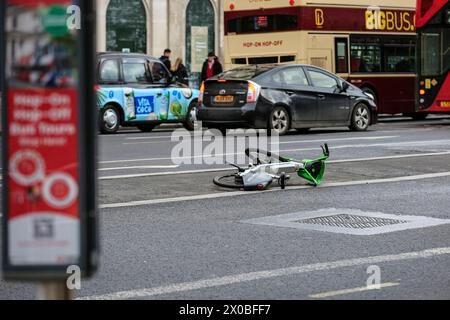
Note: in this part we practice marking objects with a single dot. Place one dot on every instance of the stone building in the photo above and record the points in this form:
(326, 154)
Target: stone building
(190, 28)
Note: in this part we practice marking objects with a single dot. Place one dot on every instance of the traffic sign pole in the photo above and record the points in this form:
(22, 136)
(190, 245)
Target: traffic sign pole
(53, 290)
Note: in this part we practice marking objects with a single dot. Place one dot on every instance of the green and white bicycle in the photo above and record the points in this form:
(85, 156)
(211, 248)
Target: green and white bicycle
(268, 167)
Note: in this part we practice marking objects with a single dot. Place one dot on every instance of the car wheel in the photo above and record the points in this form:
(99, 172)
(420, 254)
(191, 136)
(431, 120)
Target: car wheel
(109, 120)
(279, 121)
(146, 127)
(360, 118)
(189, 124)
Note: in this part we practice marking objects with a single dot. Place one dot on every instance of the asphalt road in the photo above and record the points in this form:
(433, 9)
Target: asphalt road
(168, 233)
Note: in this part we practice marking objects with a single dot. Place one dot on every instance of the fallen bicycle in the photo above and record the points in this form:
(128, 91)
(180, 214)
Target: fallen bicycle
(268, 167)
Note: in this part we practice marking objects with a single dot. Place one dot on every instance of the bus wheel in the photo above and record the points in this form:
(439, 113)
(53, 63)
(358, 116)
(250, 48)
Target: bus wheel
(109, 120)
(360, 118)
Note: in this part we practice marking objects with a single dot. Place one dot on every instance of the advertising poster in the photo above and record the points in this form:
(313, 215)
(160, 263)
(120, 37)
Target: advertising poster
(42, 150)
(199, 47)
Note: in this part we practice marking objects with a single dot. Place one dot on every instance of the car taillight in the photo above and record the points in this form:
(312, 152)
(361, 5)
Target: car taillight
(200, 95)
(96, 88)
(253, 92)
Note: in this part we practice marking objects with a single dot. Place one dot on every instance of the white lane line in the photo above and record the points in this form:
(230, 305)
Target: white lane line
(338, 139)
(170, 173)
(153, 137)
(284, 142)
(139, 167)
(153, 174)
(267, 274)
(240, 193)
(387, 144)
(353, 290)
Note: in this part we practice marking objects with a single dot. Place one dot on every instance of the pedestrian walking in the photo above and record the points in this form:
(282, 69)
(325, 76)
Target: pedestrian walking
(165, 58)
(180, 71)
(211, 67)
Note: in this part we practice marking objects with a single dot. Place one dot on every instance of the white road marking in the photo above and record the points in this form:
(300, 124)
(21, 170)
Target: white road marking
(353, 290)
(338, 139)
(153, 174)
(284, 142)
(387, 144)
(138, 167)
(240, 193)
(152, 137)
(267, 274)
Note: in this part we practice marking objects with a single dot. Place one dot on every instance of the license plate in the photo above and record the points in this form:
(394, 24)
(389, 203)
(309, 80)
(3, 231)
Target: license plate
(223, 99)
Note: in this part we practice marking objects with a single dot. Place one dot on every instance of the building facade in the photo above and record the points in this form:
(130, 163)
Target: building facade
(190, 28)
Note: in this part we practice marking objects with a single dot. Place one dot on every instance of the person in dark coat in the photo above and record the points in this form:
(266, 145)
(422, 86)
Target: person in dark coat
(211, 67)
(180, 71)
(166, 59)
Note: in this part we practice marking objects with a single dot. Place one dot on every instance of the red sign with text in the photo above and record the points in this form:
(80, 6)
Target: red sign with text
(43, 175)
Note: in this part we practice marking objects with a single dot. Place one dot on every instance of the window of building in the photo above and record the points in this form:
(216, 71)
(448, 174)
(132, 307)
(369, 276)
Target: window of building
(200, 36)
(126, 26)
(109, 71)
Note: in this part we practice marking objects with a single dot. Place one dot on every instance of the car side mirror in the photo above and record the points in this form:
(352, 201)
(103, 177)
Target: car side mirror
(344, 86)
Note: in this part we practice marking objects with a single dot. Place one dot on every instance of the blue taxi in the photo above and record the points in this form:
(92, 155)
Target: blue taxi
(136, 90)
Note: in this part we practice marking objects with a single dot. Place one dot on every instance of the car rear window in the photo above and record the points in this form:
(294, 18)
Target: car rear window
(242, 73)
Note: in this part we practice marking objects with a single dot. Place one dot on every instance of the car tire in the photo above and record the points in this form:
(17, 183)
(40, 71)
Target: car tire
(189, 124)
(419, 116)
(360, 120)
(109, 120)
(279, 121)
(146, 127)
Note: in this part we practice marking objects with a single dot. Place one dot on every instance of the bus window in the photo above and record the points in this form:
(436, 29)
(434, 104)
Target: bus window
(399, 58)
(284, 59)
(446, 47)
(263, 23)
(262, 60)
(239, 61)
(366, 58)
(430, 51)
(341, 55)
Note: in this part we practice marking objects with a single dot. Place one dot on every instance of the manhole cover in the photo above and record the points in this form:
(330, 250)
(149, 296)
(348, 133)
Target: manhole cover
(348, 221)
(351, 221)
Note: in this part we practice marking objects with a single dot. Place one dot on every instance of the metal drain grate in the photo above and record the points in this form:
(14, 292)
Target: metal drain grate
(351, 221)
(348, 221)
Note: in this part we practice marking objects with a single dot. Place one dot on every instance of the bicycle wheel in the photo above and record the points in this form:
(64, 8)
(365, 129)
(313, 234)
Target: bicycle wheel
(259, 156)
(232, 181)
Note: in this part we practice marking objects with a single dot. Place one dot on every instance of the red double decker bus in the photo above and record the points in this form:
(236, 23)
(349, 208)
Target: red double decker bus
(433, 27)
